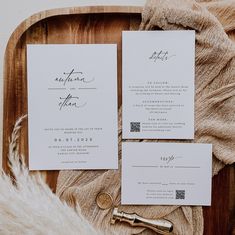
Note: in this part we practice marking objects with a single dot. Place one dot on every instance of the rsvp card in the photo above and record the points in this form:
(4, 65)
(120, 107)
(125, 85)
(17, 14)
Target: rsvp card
(158, 84)
(166, 174)
(72, 106)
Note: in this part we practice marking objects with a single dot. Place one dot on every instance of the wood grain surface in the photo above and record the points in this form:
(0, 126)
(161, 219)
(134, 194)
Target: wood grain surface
(81, 25)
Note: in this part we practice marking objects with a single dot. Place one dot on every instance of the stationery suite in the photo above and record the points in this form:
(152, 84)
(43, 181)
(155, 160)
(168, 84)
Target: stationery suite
(158, 84)
(72, 106)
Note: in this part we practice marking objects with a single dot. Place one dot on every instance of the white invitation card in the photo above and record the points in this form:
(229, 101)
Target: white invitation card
(158, 84)
(166, 174)
(72, 106)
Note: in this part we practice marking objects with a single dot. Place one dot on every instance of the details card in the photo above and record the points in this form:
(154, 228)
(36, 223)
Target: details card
(158, 84)
(166, 174)
(72, 106)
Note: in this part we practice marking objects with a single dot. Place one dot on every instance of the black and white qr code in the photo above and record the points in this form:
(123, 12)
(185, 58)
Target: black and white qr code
(179, 194)
(135, 126)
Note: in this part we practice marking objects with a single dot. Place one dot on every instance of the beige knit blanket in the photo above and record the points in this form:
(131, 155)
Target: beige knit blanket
(214, 23)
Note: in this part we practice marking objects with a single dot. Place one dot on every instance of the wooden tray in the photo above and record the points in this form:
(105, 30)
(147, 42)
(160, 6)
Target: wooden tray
(89, 25)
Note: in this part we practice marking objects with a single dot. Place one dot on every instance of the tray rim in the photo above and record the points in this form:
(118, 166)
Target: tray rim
(35, 18)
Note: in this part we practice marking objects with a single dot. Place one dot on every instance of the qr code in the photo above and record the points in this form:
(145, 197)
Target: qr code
(135, 126)
(180, 194)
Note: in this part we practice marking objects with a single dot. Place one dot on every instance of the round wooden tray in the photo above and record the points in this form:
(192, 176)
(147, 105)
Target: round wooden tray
(100, 24)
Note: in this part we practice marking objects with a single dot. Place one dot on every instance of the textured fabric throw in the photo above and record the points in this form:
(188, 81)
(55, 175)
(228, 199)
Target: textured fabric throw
(214, 114)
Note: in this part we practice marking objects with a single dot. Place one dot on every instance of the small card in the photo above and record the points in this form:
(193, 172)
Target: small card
(166, 174)
(158, 84)
(72, 106)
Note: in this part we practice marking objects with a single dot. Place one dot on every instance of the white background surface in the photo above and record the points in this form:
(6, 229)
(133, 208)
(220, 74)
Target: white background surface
(13, 12)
